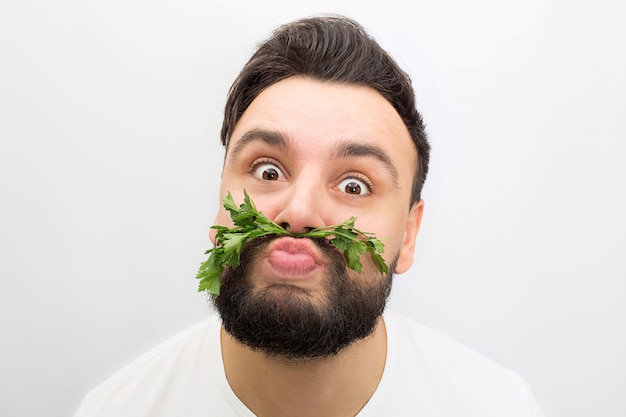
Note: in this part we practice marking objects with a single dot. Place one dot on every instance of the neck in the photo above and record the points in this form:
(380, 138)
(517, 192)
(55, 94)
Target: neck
(338, 386)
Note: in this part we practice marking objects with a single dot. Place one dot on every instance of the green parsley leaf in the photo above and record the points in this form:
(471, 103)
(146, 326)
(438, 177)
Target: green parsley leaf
(251, 224)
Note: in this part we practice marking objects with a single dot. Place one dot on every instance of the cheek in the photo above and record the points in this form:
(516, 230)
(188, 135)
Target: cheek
(388, 227)
(392, 236)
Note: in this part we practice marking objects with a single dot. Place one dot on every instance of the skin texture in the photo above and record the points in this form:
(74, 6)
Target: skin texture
(312, 154)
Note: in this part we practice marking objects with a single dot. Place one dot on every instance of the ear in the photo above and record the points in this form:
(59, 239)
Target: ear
(407, 249)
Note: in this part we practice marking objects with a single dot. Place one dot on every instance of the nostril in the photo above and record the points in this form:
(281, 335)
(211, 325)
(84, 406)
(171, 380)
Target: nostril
(287, 227)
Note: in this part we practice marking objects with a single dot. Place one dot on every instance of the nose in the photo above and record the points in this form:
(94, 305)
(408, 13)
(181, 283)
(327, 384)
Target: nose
(301, 208)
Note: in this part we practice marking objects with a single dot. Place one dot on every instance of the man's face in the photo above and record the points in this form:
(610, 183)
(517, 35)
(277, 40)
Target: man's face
(313, 154)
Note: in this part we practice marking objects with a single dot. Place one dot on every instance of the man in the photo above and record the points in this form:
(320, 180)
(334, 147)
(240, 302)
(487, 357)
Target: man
(320, 126)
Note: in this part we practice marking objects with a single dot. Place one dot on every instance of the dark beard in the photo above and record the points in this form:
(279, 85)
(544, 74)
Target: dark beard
(282, 321)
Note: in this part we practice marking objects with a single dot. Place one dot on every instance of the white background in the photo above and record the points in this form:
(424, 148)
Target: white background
(109, 172)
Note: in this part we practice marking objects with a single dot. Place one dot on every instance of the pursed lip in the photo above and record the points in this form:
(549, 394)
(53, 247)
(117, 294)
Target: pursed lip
(290, 257)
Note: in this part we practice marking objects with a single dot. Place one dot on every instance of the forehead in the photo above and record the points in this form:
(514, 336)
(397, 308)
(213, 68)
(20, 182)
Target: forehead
(314, 116)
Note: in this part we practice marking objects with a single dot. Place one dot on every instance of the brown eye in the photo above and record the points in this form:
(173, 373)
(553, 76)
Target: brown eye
(354, 186)
(268, 172)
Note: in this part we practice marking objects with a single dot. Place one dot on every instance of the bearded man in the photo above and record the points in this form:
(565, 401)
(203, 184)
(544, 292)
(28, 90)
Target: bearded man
(319, 126)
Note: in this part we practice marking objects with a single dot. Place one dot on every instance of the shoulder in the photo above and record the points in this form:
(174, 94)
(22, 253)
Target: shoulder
(411, 339)
(437, 371)
(164, 375)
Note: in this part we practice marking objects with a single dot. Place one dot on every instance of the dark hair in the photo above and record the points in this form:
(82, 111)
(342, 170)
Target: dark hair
(335, 49)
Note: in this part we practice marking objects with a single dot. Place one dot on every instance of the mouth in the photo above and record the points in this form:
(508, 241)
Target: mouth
(294, 258)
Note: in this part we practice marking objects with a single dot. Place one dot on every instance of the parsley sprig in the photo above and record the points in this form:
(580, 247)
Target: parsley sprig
(251, 224)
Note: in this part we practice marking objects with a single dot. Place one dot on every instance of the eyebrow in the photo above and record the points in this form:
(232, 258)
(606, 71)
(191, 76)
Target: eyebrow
(346, 149)
(270, 137)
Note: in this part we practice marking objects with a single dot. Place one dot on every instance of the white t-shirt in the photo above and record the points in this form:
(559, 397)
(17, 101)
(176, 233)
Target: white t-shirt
(426, 374)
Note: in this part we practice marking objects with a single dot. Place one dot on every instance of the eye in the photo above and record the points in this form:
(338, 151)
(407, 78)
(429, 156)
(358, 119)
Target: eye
(268, 172)
(354, 186)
